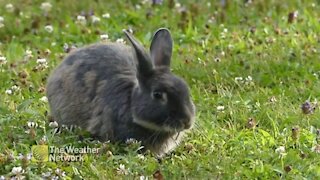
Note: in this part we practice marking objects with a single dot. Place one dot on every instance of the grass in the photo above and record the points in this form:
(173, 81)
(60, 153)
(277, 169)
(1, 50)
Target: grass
(250, 71)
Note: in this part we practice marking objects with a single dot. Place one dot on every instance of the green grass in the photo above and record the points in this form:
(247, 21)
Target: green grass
(214, 46)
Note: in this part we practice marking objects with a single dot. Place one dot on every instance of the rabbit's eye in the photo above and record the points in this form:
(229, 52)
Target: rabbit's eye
(157, 95)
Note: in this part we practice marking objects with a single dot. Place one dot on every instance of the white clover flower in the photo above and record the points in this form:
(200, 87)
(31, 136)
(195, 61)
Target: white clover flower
(3, 60)
(15, 88)
(143, 178)
(295, 14)
(131, 141)
(144, 1)
(42, 64)
(121, 170)
(273, 99)
(59, 172)
(106, 15)
(46, 174)
(27, 131)
(20, 156)
(65, 46)
(44, 99)
(32, 124)
(53, 124)
(55, 178)
(120, 40)
(81, 20)
(249, 79)
(122, 166)
(28, 54)
(141, 156)
(44, 138)
(8, 91)
(270, 39)
(109, 153)
(95, 19)
(220, 108)
(238, 79)
(104, 37)
(9, 7)
(177, 5)
(29, 156)
(17, 170)
(46, 6)
(281, 150)
(2, 178)
(138, 6)
(230, 46)
(48, 28)
(41, 61)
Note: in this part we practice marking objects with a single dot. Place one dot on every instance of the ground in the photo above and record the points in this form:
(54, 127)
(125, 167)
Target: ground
(252, 67)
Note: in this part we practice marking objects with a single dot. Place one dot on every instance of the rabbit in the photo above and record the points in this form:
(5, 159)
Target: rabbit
(119, 92)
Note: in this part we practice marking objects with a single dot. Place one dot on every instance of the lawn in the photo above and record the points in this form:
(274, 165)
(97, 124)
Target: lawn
(252, 66)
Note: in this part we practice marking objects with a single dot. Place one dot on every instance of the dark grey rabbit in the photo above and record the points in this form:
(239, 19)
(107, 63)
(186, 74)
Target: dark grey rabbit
(118, 93)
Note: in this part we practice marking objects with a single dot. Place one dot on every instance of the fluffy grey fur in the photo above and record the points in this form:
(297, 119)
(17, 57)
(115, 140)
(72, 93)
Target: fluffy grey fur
(117, 93)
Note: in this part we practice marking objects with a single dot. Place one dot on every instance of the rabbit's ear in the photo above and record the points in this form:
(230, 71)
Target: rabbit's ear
(144, 63)
(161, 48)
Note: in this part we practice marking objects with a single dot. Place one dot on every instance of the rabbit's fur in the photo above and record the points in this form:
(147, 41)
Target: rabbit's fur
(117, 92)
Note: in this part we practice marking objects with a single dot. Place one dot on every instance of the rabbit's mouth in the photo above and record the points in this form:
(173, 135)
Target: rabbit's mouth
(163, 128)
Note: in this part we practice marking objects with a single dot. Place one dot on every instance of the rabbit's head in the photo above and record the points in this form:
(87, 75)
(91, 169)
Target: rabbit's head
(160, 101)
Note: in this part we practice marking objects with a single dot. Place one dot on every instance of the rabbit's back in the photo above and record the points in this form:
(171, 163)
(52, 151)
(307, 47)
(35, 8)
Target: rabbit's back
(91, 88)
